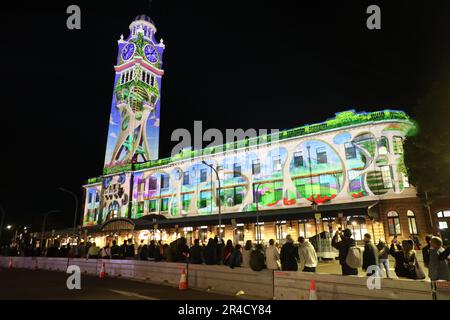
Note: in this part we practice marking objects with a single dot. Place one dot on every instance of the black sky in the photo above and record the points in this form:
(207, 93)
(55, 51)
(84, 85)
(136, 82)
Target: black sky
(231, 64)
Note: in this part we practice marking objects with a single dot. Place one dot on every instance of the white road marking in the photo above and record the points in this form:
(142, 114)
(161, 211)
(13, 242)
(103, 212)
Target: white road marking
(133, 294)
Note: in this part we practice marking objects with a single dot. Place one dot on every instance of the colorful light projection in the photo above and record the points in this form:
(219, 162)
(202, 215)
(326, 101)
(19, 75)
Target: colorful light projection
(133, 134)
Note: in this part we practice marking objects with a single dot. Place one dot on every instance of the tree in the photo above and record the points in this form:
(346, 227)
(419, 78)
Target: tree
(427, 154)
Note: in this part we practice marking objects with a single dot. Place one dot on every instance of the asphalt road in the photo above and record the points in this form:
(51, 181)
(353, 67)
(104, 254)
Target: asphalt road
(43, 285)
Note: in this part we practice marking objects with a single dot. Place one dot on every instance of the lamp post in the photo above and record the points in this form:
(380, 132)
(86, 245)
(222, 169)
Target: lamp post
(43, 226)
(258, 228)
(76, 208)
(220, 211)
(2, 211)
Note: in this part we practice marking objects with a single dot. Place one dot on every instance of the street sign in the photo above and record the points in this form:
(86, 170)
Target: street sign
(318, 216)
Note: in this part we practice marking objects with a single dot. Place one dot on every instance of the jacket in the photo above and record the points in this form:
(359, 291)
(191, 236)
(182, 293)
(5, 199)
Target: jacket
(370, 256)
(404, 265)
(307, 255)
(438, 269)
(383, 251)
(342, 246)
(288, 257)
(257, 260)
(272, 258)
(426, 255)
(196, 255)
(235, 259)
(210, 254)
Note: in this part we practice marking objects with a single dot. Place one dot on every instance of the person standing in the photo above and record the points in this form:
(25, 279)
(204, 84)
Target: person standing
(143, 253)
(342, 241)
(370, 256)
(151, 250)
(438, 269)
(426, 251)
(246, 254)
(196, 255)
(228, 250)
(211, 252)
(130, 253)
(115, 250)
(406, 264)
(383, 258)
(307, 255)
(123, 250)
(272, 256)
(289, 255)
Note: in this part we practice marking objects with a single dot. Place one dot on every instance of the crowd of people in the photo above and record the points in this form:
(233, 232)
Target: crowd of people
(290, 257)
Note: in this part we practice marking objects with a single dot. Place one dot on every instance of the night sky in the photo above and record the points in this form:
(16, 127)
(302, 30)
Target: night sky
(231, 64)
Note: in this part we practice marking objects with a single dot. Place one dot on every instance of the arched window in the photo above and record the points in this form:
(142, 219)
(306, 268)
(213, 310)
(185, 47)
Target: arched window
(412, 222)
(393, 223)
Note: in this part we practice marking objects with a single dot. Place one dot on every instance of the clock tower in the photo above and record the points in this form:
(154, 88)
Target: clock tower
(133, 134)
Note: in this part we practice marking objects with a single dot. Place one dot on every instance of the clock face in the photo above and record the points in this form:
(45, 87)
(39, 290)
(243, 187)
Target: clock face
(151, 53)
(128, 51)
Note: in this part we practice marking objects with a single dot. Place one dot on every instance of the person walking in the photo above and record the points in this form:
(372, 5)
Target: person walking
(272, 256)
(426, 251)
(257, 259)
(307, 255)
(342, 241)
(438, 269)
(246, 254)
(196, 253)
(370, 256)
(289, 255)
(383, 258)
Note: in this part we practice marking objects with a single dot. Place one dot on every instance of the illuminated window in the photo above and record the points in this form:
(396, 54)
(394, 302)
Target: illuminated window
(350, 151)
(393, 223)
(164, 204)
(164, 181)
(205, 196)
(280, 230)
(443, 214)
(398, 145)
(256, 167)
(259, 231)
(186, 178)
(236, 170)
(203, 175)
(239, 231)
(443, 225)
(152, 205)
(203, 234)
(186, 200)
(305, 229)
(276, 163)
(383, 145)
(386, 176)
(298, 159)
(321, 154)
(412, 222)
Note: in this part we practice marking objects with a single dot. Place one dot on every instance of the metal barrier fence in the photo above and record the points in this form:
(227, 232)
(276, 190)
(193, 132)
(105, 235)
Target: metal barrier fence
(264, 284)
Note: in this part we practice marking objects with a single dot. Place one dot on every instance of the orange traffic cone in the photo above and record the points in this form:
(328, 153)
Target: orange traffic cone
(102, 274)
(183, 281)
(10, 263)
(312, 290)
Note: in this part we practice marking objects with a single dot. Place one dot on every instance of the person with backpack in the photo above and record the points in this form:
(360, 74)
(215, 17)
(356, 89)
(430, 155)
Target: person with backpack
(307, 255)
(257, 259)
(289, 255)
(370, 256)
(349, 254)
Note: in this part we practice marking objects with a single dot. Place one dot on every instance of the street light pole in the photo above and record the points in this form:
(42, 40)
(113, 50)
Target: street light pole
(258, 228)
(220, 211)
(2, 211)
(43, 227)
(76, 208)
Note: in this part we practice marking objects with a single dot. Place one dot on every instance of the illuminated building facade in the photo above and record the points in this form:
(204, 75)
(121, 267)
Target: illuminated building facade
(346, 171)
